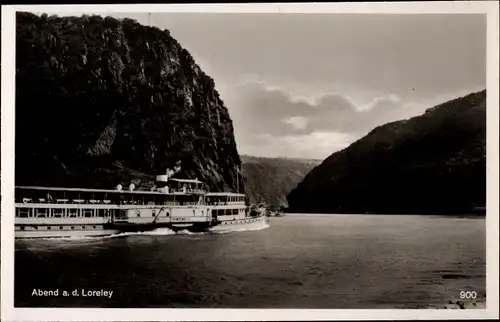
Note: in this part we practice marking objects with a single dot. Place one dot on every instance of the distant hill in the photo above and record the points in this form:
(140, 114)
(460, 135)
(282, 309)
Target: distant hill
(434, 163)
(101, 101)
(269, 180)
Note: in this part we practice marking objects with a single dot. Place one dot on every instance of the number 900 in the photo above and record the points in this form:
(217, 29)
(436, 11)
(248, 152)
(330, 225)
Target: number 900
(468, 294)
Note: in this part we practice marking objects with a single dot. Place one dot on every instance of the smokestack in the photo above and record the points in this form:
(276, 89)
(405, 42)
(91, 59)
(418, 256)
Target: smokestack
(177, 167)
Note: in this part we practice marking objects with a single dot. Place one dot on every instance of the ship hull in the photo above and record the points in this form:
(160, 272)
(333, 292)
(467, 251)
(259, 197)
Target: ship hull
(247, 223)
(222, 226)
(240, 224)
(66, 234)
(217, 226)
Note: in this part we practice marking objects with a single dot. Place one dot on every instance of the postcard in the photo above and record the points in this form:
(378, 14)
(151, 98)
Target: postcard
(250, 161)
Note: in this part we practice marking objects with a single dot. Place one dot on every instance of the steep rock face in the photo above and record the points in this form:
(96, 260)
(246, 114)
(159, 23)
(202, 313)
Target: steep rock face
(430, 164)
(101, 101)
(269, 180)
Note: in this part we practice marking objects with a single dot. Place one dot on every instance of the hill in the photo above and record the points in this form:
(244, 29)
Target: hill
(101, 101)
(269, 180)
(434, 163)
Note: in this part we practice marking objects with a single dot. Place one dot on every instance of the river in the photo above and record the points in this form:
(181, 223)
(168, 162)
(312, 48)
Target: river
(299, 261)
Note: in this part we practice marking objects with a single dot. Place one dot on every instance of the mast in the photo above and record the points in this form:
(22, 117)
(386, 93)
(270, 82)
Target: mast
(237, 179)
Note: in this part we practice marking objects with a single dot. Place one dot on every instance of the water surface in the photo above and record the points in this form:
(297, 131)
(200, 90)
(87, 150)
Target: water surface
(300, 261)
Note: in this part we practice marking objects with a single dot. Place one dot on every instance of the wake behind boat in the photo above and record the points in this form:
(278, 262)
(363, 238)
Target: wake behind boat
(177, 204)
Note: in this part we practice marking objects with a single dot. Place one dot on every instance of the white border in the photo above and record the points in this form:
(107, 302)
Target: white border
(9, 313)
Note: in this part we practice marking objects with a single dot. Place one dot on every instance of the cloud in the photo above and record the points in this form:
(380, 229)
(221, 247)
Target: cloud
(298, 122)
(271, 121)
(380, 101)
(317, 145)
(258, 108)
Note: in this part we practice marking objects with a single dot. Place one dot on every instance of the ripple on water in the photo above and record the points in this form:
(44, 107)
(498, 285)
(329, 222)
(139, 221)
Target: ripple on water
(298, 262)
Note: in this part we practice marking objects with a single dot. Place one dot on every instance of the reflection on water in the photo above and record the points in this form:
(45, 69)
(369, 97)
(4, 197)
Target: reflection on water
(301, 261)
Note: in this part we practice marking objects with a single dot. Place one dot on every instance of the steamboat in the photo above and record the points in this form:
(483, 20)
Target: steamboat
(177, 204)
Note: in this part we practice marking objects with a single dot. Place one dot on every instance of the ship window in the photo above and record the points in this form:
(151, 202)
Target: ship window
(41, 212)
(57, 212)
(83, 227)
(235, 211)
(49, 228)
(168, 214)
(87, 212)
(93, 227)
(60, 227)
(102, 212)
(36, 227)
(146, 200)
(22, 227)
(153, 212)
(23, 212)
(72, 212)
(72, 227)
(138, 213)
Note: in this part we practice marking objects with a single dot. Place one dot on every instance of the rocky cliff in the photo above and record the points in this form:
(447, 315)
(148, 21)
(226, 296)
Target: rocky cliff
(434, 163)
(101, 101)
(269, 180)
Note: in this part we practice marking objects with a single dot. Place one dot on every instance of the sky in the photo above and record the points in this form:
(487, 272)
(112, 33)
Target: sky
(307, 85)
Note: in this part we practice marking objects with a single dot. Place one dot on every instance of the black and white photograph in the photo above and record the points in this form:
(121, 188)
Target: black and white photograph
(250, 159)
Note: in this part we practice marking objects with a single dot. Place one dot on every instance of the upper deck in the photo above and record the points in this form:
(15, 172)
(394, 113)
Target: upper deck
(166, 191)
(180, 197)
